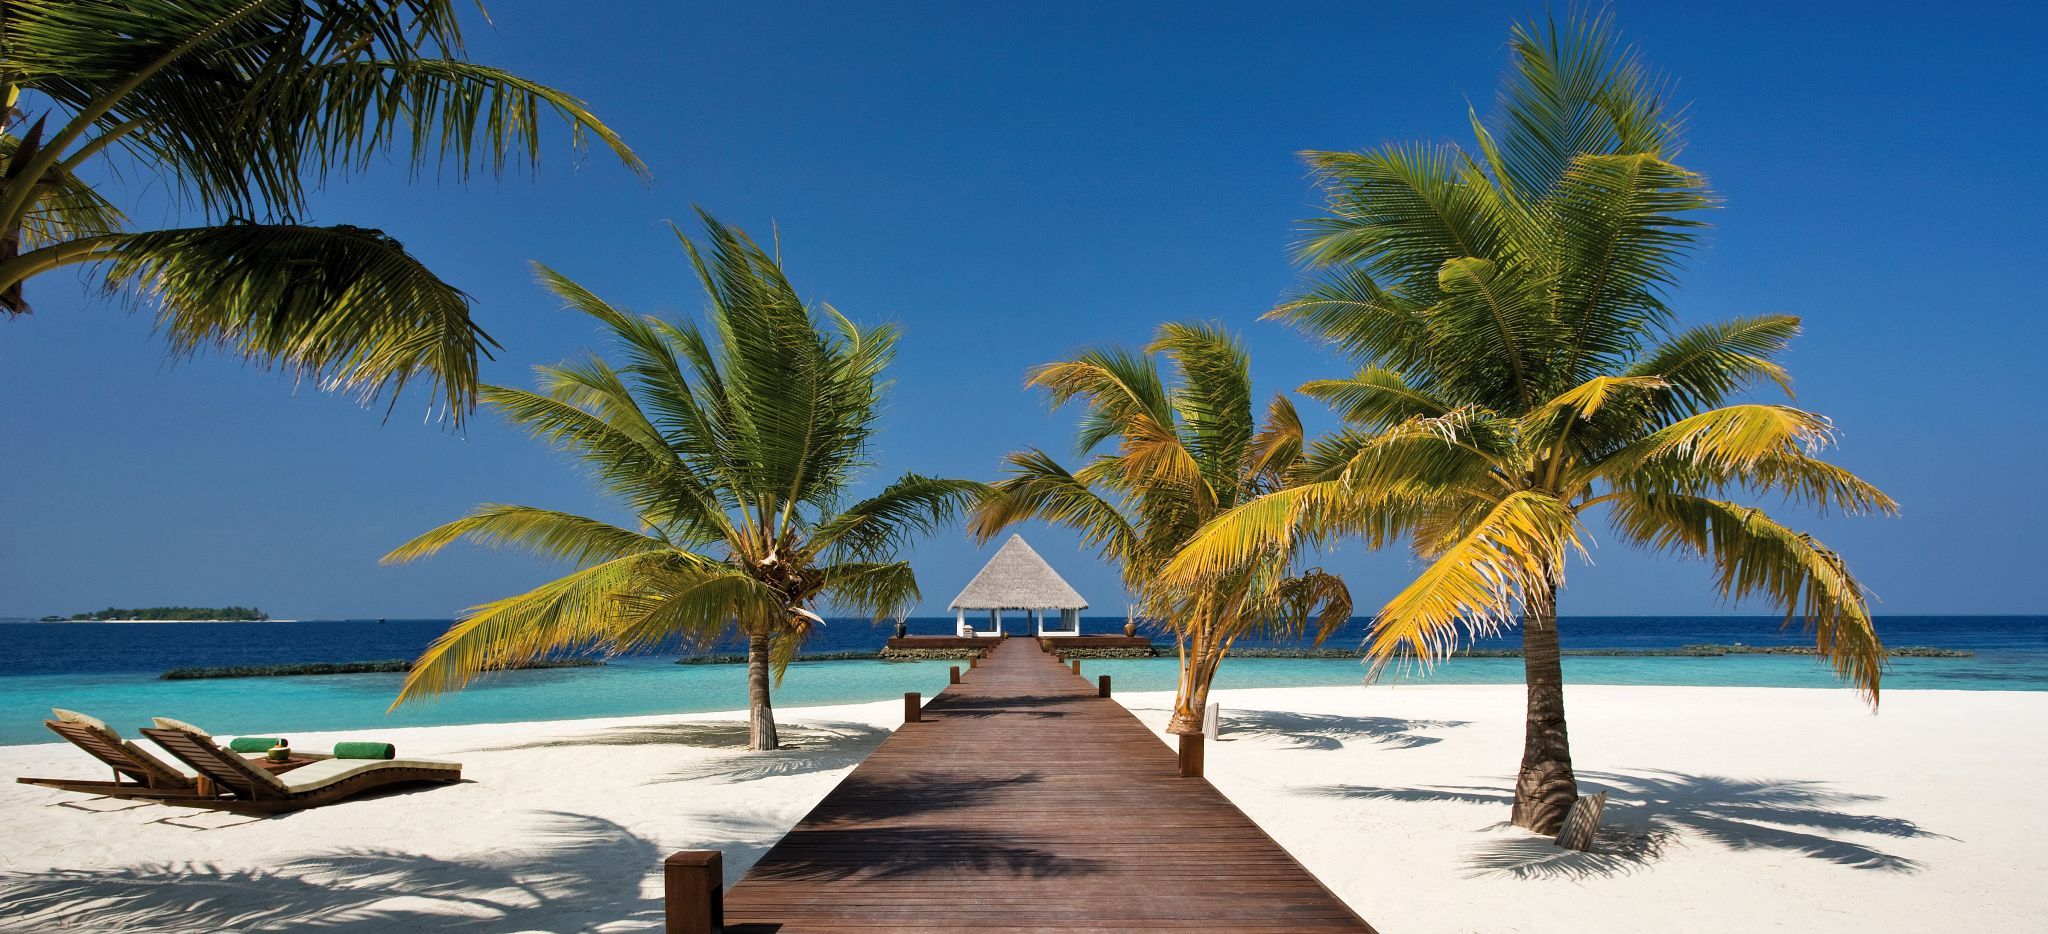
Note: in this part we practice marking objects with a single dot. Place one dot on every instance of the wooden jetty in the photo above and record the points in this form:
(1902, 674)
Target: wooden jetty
(1020, 799)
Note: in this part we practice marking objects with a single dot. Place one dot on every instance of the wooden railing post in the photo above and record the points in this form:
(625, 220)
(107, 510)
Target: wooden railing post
(1191, 756)
(913, 707)
(693, 891)
(1077, 665)
(954, 676)
(974, 661)
(1102, 686)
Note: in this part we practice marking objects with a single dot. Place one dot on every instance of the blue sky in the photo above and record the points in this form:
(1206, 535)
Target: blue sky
(1013, 184)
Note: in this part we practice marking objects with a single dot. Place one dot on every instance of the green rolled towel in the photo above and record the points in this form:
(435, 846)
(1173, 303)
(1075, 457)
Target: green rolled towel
(254, 743)
(365, 751)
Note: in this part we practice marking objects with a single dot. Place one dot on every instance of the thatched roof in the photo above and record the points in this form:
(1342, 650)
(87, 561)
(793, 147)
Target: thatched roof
(1018, 579)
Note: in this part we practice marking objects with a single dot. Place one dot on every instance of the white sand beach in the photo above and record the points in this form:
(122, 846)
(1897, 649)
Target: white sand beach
(1731, 809)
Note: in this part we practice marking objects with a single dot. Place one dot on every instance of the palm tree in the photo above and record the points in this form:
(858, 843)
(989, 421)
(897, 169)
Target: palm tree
(1184, 454)
(240, 105)
(1522, 371)
(733, 451)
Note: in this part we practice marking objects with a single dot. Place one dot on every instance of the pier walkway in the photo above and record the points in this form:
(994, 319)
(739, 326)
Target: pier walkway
(1022, 801)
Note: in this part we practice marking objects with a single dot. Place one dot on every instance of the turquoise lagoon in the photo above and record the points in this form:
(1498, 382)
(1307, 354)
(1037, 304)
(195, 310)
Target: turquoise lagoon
(111, 671)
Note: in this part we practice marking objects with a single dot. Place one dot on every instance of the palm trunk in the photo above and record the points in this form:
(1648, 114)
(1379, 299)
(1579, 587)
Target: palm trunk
(1199, 659)
(760, 713)
(1546, 787)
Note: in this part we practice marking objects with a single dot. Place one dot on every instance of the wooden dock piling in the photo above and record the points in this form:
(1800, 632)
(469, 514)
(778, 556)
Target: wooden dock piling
(1190, 756)
(693, 892)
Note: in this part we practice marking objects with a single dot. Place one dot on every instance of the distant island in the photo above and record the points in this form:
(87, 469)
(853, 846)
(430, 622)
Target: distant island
(179, 614)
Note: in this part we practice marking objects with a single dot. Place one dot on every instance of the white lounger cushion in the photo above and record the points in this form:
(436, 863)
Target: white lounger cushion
(166, 723)
(326, 772)
(73, 716)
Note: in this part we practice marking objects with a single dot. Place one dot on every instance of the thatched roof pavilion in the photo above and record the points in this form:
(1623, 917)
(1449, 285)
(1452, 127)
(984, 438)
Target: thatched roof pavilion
(1016, 578)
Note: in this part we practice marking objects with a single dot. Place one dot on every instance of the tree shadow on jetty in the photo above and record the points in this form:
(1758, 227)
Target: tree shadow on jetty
(575, 872)
(909, 852)
(1021, 705)
(1648, 810)
(866, 798)
(1329, 732)
(858, 833)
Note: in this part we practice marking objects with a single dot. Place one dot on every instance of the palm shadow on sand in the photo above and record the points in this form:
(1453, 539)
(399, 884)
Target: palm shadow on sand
(808, 748)
(572, 866)
(1329, 732)
(709, 734)
(1648, 810)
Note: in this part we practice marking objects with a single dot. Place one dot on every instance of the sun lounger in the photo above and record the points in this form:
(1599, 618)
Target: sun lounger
(239, 785)
(137, 774)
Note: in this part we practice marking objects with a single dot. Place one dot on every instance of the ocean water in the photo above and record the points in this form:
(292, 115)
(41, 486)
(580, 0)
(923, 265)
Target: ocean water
(110, 670)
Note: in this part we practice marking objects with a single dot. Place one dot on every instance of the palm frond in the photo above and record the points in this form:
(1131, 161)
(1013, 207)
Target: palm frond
(243, 102)
(913, 506)
(1314, 597)
(1732, 438)
(1477, 585)
(1118, 386)
(591, 385)
(1617, 228)
(1399, 212)
(1464, 449)
(1496, 320)
(1346, 307)
(577, 611)
(1572, 91)
(643, 472)
(680, 412)
(1707, 365)
(345, 306)
(1276, 449)
(694, 600)
(1586, 399)
(1156, 458)
(448, 112)
(1036, 487)
(1755, 556)
(542, 532)
(1272, 524)
(1798, 477)
(879, 590)
(1375, 398)
(67, 208)
(1213, 397)
(796, 406)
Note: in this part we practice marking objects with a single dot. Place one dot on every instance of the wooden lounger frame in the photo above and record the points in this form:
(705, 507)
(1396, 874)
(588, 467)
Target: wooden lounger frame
(245, 789)
(135, 775)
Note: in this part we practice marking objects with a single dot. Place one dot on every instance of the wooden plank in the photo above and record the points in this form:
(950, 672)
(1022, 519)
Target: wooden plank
(1026, 800)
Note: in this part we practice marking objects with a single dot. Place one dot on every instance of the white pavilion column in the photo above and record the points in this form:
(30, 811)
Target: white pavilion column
(959, 622)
